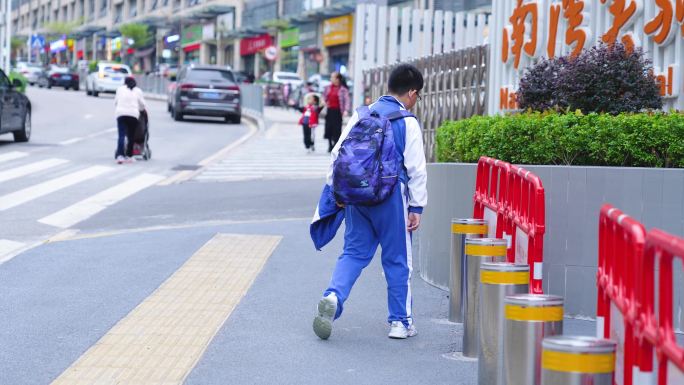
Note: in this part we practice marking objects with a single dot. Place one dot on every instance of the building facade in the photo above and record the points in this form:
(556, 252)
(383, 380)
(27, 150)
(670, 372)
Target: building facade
(255, 36)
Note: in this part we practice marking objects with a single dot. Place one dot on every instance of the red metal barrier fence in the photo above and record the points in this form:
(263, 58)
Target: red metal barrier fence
(631, 309)
(656, 330)
(621, 246)
(511, 199)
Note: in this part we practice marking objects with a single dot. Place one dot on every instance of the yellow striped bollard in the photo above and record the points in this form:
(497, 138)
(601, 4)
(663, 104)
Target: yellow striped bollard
(461, 229)
(570, 360)
(529, 318)
(477, 251)
(497, 280)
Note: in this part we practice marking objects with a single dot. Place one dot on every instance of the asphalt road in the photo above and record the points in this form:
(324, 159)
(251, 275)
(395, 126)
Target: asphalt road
(115, 250)
(70, 160)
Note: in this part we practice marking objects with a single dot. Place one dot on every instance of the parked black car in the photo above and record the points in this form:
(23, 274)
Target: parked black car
(56, 76)
(207, 91)
(15, 110)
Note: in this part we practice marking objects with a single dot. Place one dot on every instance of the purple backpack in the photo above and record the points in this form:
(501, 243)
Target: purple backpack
(367, 167)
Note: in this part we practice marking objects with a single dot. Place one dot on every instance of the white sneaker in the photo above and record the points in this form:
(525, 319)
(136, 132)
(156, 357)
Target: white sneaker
(399, 331)
(322, 324)
(120, 159)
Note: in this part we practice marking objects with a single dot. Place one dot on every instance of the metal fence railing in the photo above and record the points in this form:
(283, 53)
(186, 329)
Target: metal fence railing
(455, 88)
(252, 97)
(153, 84)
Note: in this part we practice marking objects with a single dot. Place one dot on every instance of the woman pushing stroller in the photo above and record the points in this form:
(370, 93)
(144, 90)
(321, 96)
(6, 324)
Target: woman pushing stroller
(129, 102)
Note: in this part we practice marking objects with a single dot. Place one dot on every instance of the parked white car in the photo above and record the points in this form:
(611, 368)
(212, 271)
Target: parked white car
(107, 78)
(31, 71)
(281, 77)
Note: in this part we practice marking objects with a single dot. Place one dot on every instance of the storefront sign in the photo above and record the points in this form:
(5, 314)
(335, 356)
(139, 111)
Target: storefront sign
(115, 44)
(191, 35)
(525, 30)
(308, 36)
(289, 38)
(337, 30)
(252, 45)
(58, 45)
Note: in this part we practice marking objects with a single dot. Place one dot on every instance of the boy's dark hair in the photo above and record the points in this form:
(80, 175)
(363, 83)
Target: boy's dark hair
(316, 99)
(130, 82)
(404, 78)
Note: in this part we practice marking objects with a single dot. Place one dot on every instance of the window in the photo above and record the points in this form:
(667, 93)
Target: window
(91, 9)
(153, 6)
(118, 13)
(132, 8)
(211, 75)
(115, 70)
(104, 5)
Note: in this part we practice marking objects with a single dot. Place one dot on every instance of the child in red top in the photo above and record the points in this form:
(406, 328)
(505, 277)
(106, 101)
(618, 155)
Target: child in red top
(309, 121)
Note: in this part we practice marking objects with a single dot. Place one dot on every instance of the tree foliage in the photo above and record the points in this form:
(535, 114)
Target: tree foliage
(139, 33)
(605, 78)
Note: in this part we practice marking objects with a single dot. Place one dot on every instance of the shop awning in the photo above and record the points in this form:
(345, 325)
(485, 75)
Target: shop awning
(192, 47)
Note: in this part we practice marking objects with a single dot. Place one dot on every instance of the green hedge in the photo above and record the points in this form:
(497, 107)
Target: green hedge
(639, 140)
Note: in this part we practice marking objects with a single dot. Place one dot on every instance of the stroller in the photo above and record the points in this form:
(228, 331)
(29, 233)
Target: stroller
(140, 148)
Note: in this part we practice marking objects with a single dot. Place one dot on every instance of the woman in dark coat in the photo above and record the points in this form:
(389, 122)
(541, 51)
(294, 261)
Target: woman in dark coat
(338, 104)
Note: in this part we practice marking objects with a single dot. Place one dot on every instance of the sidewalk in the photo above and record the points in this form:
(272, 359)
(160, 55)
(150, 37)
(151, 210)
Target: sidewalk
(274, 153)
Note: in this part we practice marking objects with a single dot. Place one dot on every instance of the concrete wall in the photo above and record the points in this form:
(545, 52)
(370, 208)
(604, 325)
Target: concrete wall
(573, 199)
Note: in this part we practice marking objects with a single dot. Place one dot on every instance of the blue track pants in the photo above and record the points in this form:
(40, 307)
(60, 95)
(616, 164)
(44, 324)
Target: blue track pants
(366, 227)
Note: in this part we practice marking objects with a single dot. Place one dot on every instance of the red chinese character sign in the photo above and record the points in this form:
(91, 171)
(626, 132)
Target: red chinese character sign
(525, 30)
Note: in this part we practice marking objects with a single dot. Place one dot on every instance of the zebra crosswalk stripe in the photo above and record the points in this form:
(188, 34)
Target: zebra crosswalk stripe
(30, 168)
(30, 193)
(12, 156)
(90, 206)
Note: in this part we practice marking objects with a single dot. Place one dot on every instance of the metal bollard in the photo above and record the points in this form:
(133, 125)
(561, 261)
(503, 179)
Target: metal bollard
(528, 319)
(461, 229)
(497, 280)
(573, 360)
(476, 251)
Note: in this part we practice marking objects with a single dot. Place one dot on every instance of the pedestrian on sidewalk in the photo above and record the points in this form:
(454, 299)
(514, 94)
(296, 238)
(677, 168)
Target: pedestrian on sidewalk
(390, 222)
(338, 104)
(129, 102)
(309, 121)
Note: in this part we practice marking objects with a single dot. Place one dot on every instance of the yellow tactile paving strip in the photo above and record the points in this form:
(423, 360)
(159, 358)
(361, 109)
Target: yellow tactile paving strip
(162, 339)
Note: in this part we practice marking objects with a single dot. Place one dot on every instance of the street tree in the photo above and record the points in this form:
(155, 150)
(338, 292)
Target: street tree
(139, 33)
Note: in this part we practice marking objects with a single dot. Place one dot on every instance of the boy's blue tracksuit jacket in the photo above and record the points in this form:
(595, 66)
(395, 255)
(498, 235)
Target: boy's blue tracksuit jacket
(384, 225)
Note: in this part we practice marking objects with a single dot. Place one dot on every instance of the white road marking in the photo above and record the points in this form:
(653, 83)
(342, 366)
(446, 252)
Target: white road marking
(28, 194)
(30, 169)
(89, 136)
(12, 156)
(90, 206)
(71, 141)
(7, 247)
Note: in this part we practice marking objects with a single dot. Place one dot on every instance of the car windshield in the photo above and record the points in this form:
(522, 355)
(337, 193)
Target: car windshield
(60, 70)
(287, 77)
(210, 75)
(115, 70)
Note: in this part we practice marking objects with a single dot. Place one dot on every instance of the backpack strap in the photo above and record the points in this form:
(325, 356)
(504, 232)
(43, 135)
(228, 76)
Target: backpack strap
(400, 114)
(363, 112)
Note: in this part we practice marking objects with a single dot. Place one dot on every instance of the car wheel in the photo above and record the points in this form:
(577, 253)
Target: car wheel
(49, 86)
(77, 88)
(236, 119)
(96, 94)
(25, 134)
(66, 88)
(177, 115)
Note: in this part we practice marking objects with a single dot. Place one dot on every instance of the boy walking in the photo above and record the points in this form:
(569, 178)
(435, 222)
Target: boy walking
(389, 223)
(309, 121)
